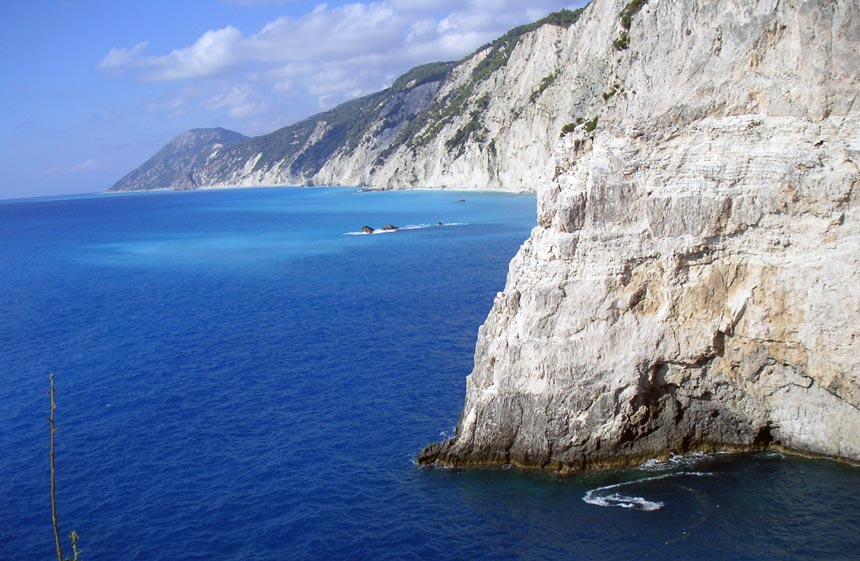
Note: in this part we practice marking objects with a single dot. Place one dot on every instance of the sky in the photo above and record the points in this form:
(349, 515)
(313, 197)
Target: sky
(90, 89)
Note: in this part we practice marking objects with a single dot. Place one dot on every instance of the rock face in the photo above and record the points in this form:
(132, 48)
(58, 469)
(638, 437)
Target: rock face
(692, 283)
(174, 165)
(489, 121)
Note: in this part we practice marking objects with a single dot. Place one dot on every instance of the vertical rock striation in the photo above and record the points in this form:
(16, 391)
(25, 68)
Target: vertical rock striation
(692, 283)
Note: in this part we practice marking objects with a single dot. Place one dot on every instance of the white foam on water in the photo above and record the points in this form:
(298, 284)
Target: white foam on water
(373, 233)
(437, 225)
(675, 461)
(599, 497)
(408, 227)
(446, 434)
(623, 501)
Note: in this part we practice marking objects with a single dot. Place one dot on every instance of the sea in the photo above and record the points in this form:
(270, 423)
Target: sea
(243, 375)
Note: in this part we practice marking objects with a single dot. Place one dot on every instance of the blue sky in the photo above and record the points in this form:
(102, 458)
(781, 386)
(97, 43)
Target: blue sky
(91, 88)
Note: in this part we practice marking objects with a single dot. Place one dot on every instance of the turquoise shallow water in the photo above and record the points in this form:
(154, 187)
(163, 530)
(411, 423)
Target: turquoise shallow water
(238, 378)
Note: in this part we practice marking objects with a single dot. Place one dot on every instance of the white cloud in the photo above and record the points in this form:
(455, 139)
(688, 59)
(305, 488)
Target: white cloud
(329, 54)
(212, 53)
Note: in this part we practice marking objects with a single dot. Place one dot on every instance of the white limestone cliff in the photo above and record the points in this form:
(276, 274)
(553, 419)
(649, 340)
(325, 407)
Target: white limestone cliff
(694, 279)
(512, 153)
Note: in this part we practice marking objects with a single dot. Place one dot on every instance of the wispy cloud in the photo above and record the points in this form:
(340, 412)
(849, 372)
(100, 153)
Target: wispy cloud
(328, 55)
(241, 101)
(83, 167)
(88, 165)
(173, 105)
(257, 2)
(121, 58)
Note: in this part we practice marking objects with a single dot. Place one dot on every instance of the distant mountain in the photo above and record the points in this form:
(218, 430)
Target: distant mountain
(483, 122)
(173, 166)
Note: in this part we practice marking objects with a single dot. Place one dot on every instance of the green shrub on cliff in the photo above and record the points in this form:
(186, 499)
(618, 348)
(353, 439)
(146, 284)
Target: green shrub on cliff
(629, 11)
(612, 91)
(568, 128)
(544, 84)
(622, 42)
(627, 14)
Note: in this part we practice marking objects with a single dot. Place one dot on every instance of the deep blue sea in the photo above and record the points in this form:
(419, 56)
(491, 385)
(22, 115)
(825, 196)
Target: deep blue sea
(240, 379)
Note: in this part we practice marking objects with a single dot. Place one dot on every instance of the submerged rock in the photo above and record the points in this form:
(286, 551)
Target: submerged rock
(389, 227)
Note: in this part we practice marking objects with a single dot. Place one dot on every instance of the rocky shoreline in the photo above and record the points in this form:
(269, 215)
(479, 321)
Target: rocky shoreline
(444, 455)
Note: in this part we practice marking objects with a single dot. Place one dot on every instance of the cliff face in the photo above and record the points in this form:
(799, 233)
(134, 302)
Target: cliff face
(692, 281)
(487, 122)
(491, 125)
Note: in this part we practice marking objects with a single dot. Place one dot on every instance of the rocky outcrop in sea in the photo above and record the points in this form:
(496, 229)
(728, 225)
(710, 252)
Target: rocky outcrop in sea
(692, 281)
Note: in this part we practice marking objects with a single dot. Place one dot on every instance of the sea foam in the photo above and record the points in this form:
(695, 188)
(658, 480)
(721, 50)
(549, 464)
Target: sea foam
(600, 497)
(676, 461)
(409, 227)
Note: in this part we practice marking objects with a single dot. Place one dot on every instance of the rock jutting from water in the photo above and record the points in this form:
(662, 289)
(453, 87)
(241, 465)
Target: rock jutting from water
(692, 283)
